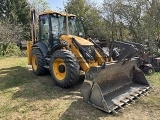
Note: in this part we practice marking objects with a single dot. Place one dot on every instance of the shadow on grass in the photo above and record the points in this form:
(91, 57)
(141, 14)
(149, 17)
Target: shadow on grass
(32, 87)
(43, 88)
(80, 110)
(14, 77)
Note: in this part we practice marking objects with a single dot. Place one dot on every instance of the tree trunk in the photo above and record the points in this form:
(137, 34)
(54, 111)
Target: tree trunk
(4, 47)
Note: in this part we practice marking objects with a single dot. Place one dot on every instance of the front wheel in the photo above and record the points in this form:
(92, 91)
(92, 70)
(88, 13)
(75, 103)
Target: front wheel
(64, 68)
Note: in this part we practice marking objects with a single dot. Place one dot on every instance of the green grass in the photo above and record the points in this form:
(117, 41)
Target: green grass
(2, 57)
(26, 96)
(155, 79)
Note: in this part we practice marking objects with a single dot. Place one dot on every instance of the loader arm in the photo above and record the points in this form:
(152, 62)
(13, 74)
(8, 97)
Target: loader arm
(98, 48)
(114, 84)
(84, 50)
(128, 50)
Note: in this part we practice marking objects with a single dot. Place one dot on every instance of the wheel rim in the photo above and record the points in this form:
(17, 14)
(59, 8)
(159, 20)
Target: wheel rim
(150, 71)
(34, 62)
(59, 69)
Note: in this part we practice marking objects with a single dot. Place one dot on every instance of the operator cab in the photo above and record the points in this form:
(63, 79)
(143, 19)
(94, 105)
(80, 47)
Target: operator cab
(50, 28)
(53, 24)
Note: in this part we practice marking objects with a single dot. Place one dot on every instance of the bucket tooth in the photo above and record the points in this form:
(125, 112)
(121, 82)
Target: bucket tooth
(125, 102)
(143, 90)
(146, 89)
(145, 94)
(138, 92)
(118, 104)
(130, 99)
(114, 112)
(120, 107)
(128, 96)
(136, 96)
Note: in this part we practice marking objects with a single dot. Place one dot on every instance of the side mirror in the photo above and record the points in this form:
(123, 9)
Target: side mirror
(80, 34)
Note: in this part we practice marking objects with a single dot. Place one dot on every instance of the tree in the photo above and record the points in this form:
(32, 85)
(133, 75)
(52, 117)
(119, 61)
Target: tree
(15, 20)
(9, 33)
(126, 18)
(94, 23)
(16, 12)
(39, 5)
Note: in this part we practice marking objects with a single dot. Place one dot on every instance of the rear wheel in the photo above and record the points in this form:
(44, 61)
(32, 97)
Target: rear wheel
(64, 68)
(148, 70)
(38, 62)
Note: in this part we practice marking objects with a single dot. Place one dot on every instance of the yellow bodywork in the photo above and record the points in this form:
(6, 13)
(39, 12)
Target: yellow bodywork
(85, 65)
(29, 55)
(72, 47)
(54, 12)
(80, 40)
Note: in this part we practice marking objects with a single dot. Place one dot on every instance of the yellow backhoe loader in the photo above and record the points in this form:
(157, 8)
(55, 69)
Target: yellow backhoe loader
(62, 49)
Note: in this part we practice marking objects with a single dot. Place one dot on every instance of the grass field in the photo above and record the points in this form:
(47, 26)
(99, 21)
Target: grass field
(26, 96)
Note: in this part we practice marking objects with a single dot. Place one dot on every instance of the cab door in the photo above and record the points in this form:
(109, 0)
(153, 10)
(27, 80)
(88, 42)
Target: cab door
(44, 30)
(55, 23)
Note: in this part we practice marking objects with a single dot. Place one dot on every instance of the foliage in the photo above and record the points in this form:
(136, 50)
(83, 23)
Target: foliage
(13, 50)
(126, 20)
(39, 5)
(92, 20)
(9, 33)
(133, 20)
(17, 13)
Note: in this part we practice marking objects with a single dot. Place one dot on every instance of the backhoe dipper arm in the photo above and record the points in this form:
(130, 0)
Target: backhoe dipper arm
(139, 46)
(127, 50)
(98, 47)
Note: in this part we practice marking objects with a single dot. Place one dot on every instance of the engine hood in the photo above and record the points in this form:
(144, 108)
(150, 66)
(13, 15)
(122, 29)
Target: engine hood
(80, 40)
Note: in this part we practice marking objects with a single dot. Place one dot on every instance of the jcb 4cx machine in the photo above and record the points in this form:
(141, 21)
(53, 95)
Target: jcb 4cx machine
(61, 49)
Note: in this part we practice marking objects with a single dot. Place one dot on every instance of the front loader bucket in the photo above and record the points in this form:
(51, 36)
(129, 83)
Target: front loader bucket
(114, 86)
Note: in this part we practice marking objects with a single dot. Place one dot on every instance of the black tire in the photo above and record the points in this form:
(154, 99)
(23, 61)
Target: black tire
(68, 76)
(148, 70)
(38, 63)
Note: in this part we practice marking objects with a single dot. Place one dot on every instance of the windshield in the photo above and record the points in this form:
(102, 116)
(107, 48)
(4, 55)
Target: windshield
(75, 27)
(59, 26)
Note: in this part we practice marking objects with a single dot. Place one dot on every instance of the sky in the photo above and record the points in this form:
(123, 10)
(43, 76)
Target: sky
(56, 4)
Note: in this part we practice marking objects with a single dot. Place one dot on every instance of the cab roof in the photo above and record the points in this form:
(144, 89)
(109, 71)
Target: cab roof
(52, 12)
